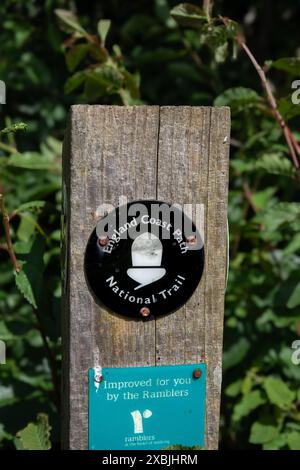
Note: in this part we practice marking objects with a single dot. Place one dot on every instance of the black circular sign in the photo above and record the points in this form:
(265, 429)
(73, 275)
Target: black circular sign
(144, 259)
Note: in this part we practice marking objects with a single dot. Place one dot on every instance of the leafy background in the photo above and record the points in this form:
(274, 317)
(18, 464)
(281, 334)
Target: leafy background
(50, 60)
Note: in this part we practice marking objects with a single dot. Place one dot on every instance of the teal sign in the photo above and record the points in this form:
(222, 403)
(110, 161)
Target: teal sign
(145, 408)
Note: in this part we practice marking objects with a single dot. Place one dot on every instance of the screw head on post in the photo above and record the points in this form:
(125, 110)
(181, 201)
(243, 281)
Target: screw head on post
(103, 240)
(197, 374)
(191, 240)
(145, 312)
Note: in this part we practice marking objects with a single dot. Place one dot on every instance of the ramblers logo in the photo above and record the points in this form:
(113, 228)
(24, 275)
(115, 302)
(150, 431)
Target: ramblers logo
(146, 265)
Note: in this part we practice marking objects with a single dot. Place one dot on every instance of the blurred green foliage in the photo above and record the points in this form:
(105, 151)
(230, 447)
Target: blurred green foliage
(154, 52)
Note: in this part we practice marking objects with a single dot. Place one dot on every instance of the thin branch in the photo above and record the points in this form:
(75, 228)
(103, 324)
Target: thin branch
(249, 196)
(294, 141)
(5, 218)
(292, 144)
(194, 55)
(50, 356)
(207, 7)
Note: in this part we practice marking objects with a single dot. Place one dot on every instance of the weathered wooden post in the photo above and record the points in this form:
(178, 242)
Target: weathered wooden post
(174, 154)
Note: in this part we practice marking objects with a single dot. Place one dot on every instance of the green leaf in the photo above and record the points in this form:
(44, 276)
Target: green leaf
(290, 65)
(31, 161)
(20, 126)
(294, 299)
(99, 54)
(53, 145)
(236, 353)
(27, 226)
(242, 166)
(104, 80)
(75, 55)
(262, 432)
(263, 199)
(74, 82)
(36, 436)
(5, 334)
(188, 15)
(218, 37)
(103, 28)
(277, 164)
(7, 395)
(4, 434)
(29, 279)
(277, 443)
(278, 393)
(248, 403)
(107, 76)
(234, 388)
(288, 109)
(221, 53)
(34, 338)
(23, 247)
(281, 214)
(293, 440)
(293, 246)
(69, 22)
(24, 286)
(239, 99)
(32, 206)
(131, 84)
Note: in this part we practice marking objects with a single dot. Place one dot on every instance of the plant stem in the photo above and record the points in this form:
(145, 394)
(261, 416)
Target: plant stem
(8, 148)
(5, 218)
(249, 196)
(290, 139)
(50, 356)
(194, 55)
(207, 7)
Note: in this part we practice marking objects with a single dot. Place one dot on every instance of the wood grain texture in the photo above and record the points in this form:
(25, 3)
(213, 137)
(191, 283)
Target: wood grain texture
(193, 168)
(177, 154)
(109, 152)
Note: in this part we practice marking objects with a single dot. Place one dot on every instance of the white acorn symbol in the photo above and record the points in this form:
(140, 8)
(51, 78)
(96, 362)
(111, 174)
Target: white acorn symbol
(146, 254)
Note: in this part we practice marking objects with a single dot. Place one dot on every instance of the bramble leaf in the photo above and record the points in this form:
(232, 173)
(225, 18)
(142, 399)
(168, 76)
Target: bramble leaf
(277, 164)
(278, 392)
(239, 99)
(262, 432)
(248, 403)
(35, 436)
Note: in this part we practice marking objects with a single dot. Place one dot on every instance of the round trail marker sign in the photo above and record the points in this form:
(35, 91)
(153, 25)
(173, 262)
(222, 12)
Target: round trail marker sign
(144, 259)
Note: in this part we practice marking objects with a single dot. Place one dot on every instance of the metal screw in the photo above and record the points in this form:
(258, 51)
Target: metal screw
(98, 378)
(103, 240)
(197, 373)
(191, 240)
(145, 312)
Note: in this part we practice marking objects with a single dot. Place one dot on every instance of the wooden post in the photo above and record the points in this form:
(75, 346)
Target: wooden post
(177, 154)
